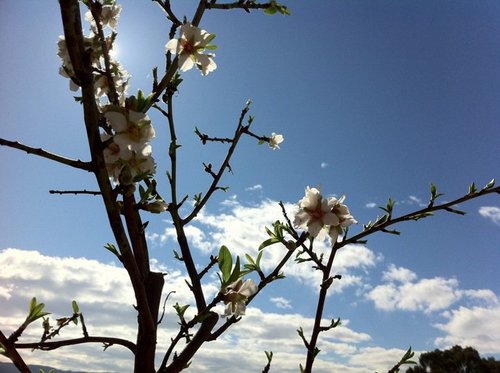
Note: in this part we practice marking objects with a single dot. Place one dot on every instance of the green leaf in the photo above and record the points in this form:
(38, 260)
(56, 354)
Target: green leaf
(249, 259)
(76, 309)
(270, 10)
(235, 275)
(35, 311)
(112, 248)
(455, 211)
(472, 188)
(490, 185)
(259, 257)
(225, 262)
(180, 309)
(177, 256)
(268, 242)
(210, 38)
(269, 356)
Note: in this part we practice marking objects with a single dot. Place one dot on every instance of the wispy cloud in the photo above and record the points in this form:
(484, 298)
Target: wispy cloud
(413, 200)
(281, 302)
(371, 205)
(491, 212)
(253, 188)
(324, 165)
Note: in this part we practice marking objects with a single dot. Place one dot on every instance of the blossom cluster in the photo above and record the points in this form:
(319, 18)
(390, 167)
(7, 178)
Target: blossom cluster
(108, 18)
(317, 213)
(127, 152)
(126, 148)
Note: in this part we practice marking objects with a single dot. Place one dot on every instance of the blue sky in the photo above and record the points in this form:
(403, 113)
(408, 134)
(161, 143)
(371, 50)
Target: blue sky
(376, 99)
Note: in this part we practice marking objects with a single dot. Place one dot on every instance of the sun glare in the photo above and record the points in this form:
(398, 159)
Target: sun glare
(115, 51)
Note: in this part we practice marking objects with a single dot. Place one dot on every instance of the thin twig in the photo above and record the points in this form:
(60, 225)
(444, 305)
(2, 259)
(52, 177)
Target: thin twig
(91, 192)
(413, 215)
(87, 166)
(238, 5)
(240, 129)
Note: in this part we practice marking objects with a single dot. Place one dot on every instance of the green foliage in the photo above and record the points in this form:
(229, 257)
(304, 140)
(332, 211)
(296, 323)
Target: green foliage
(228, 273)
(274, 8)
(455, 359)
(276, 235)
(35, 311)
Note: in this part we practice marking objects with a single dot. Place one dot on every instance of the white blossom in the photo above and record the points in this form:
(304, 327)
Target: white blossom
(235, 296)
(108, 16)
(128, 153)
(275, 140)
(190, 47)
(317, 213)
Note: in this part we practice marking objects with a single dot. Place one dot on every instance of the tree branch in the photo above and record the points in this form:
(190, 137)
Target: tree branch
(213, 186)
(47, 346)
(415, 215)
(238, 5)
(12, 354)
(87, 166)
(91, 192)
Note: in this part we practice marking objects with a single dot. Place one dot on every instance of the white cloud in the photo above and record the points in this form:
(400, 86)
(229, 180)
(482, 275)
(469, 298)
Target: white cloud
(371, 205)
(476, 326)
(281, 302)
(413, 200)
(254, 188)
(324, 165)
(105, 298)
(399, 274)
(242, 229)
(490, 212)
(402, 291)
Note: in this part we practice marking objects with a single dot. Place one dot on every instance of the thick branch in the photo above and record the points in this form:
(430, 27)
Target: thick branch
(12, 353)
(47, 346)
(87, 166)
(82, 66)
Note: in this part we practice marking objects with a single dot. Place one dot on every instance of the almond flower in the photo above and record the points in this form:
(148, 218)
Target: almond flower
(128, 153)
(345, 218)
(189, 49)
(108, 16)
(275, 140)
(236, 295)
(317, 213)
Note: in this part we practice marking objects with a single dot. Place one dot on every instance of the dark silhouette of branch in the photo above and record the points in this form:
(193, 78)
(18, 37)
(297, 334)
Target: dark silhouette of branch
(47, 346)
(12, 353)
(87, 166)
(91, 192)
(418, 214)
(246, 5)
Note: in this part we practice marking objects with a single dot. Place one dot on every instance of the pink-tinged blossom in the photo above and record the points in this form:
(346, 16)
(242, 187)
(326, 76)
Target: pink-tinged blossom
(317, 213)
(236, 295)
(189, 49)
